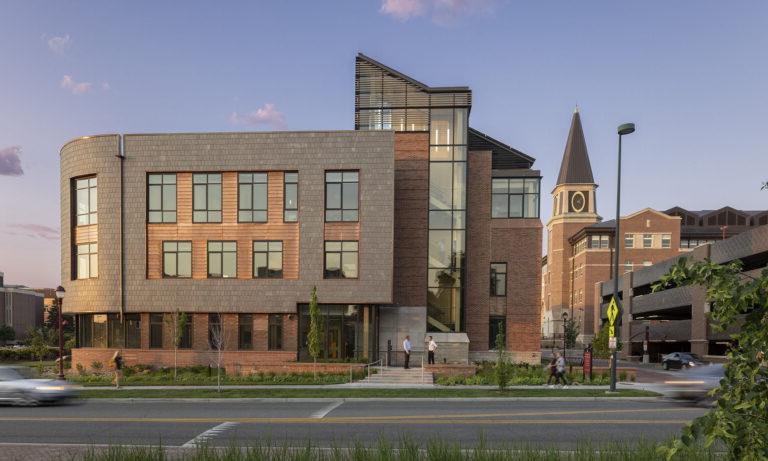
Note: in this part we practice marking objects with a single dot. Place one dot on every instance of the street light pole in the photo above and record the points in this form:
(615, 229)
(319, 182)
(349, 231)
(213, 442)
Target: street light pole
(624, 129)
(565, 319)
(60, 299)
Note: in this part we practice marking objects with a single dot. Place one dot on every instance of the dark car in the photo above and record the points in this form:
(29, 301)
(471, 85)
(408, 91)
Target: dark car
(695, 383)
(680, 360)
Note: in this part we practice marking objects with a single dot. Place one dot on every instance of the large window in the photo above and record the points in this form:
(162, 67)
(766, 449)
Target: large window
(341, 190)
(291, 196)
(87, 260)
(629, 240)
(186, 334)
(92, 330)
(222, 259)
(666, 240)
(124, 334)
(86, 199)
(177, 259)
(275, 334)
(599, 241)
(215, 332)
(515, 198)
(206, 197)
(252, 201)
(268, 259)
(155, 331)
(245, 331)
(498, 279)
(341, 260)
(161, 203)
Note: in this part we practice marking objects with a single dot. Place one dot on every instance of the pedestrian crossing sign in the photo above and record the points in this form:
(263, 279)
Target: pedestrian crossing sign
(613, 311)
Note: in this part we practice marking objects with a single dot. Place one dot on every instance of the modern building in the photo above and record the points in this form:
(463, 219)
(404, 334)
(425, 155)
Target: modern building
(21, 308)
(581, 244)
(675, 319)
(414, 222)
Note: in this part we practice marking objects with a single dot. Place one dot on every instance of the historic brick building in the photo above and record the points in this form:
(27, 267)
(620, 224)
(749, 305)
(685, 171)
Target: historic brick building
(412, 223)
(580, 244)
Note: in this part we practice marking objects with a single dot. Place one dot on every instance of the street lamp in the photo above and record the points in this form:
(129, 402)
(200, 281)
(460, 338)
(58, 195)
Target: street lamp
(565, 319)
(625, 129)
(60, 297)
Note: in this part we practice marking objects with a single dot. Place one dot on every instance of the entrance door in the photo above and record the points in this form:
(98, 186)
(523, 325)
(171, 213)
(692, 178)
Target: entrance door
(334, 341)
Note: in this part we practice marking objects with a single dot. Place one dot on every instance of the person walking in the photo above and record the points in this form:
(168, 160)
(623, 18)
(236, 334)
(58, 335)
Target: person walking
(560, 369)
(431, 348)
(407, 349)
(552, 370)
(117, 363)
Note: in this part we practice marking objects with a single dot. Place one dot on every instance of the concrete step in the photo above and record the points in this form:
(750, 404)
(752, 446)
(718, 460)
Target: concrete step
(397, 376)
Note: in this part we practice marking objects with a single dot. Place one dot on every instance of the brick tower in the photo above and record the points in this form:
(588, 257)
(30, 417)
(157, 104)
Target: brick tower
(573, 208)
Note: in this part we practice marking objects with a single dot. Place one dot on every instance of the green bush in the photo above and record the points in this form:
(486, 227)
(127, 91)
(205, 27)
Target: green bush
(97, 366)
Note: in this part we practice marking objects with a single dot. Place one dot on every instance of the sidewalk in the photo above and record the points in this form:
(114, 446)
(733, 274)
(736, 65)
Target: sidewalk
(628, 386)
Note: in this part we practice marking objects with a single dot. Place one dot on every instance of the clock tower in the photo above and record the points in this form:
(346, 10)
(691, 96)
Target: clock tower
(573, 208)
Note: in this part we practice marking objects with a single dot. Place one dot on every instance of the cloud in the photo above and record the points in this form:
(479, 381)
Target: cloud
(403, 10)
(59, 44)
(10, 161)
(33, 231)
(266, 115)
(442, 12)
(76, 88)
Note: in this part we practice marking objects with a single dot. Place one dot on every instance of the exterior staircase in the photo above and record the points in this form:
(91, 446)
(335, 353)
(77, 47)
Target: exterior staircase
(396, 377)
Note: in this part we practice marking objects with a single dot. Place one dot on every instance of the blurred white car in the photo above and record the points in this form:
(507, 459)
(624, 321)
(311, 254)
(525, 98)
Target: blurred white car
(17, 386)
(695, 383)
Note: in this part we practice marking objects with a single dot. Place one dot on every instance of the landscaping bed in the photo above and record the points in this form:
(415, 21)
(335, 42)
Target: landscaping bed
(523, 374)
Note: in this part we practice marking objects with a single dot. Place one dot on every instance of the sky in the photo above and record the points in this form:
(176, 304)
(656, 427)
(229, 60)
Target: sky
(691, 74)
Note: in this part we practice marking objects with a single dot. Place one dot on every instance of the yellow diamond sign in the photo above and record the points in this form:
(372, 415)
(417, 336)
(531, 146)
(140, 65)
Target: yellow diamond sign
(613, 311)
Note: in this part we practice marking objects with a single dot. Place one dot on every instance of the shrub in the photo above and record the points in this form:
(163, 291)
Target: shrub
(80, 369)
(97, 366)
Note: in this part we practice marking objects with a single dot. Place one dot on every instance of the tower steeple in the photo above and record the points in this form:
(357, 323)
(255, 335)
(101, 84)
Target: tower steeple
(575, 167)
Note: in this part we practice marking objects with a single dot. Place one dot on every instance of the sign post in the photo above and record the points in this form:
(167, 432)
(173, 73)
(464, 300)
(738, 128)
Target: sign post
(613, 312)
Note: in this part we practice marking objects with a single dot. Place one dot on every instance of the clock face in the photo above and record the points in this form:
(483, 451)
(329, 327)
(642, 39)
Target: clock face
(578, 202)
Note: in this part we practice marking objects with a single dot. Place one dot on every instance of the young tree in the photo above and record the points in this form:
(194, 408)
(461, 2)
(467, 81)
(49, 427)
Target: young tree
(7, 333)
(177, 322)
(315, 329)
(739, 418)
(600, 344)
(571, 332)
(219, 337)
(502, 369)
(38, 344)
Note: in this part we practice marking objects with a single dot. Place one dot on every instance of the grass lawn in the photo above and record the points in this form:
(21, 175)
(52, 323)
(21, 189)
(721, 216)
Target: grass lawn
(352, 393)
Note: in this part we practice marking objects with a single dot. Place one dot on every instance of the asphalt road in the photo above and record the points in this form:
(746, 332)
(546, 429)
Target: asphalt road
(336, 423)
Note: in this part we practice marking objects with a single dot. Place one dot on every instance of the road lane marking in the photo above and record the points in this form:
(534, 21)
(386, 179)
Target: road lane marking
(320, 414)
(345, 418)
(211, 433)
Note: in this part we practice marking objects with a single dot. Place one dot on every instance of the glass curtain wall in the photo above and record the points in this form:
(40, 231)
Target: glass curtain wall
(388, 100)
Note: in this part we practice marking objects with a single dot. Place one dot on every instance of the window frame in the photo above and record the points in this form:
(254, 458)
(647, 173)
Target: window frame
(162, 185)
(342, 208)
(666, 238)
(211, 326)
(207, 209)
(244, 325)
(176, 253)
(495, 319)
(268, 252)
(253, 210)
(222, 252)
(629, 238)
(494, 288)
(153, 323)
(92, 256)
(92, 213)
(647, 237)
(523, 195)
(286, 183)
(341, 253)
(275, 324)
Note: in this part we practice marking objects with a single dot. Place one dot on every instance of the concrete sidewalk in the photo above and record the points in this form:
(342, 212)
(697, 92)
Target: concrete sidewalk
(623, 386)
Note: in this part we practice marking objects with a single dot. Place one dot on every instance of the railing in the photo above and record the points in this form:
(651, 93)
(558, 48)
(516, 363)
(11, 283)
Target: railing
(368, 366)
(422, 368)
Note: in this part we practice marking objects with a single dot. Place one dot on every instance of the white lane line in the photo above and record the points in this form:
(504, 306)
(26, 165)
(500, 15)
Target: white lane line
(320, 414)
(209, 434)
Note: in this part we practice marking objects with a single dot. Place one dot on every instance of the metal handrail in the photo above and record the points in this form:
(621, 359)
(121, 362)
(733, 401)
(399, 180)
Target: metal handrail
(368, 366)
(422, 368)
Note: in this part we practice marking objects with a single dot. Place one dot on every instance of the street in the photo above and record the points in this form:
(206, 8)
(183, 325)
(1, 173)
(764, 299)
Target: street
(560, 423)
